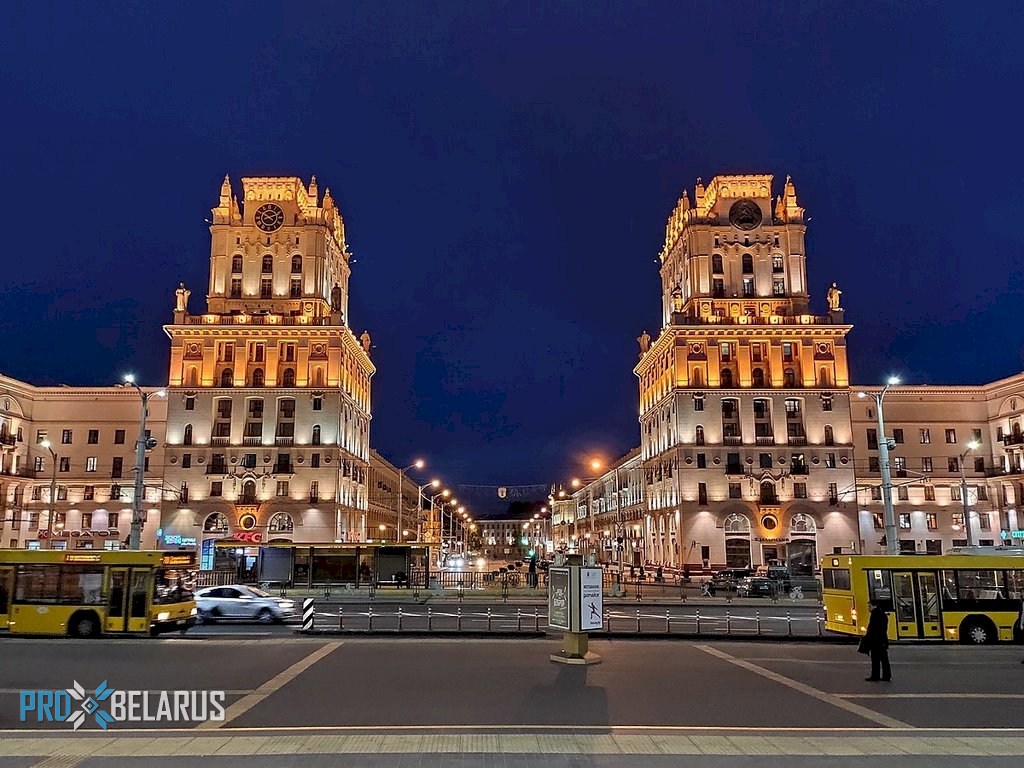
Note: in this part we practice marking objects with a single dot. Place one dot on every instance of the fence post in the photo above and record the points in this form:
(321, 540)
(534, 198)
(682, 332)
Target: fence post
(698, 621)
(817, 620)
(728, 622)
(536, 619)
(757, 613)
(488, 618)
(638, 620)
(789, 623)
(458, 618)
(308, 614)
(639, 591)
(399, 618)
(519, 619)
(504, 590)
(668, 621)
(607, 620)
(327, 590)
(369, 617)
(430, 618)
(341, 617)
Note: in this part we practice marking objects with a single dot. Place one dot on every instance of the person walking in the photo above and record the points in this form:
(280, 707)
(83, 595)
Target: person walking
(876, 643)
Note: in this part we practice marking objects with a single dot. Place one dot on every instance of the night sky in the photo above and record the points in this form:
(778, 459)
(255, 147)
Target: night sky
(505, 171)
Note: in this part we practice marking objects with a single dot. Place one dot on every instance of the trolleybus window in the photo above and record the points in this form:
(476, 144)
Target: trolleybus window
(836, 578)
(66, 584)
(880, 588)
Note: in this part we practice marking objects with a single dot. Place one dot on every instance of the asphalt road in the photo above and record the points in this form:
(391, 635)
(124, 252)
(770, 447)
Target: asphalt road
(460, 702)
(770, 619)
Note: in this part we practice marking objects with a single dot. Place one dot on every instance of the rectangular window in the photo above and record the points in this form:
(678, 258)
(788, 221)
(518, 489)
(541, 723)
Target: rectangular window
(117, 466)
(40, 436)
(953, 463)
(748, 286)
(899, 463)
(950, 436)
(984, 521)
(86, 520)
(876, 493)
(718, 288)
(282, 487)
(186, 460)
(878, 520)
(954, 493)
(94, 437)
(266, 288)
(735, 491)
(65, 464)
(118, 437)
(926, 463)
(314, 460)
(873, 464)
(702, 461)
(929, 493)
(318, 403)
(38, 464)
(702, 493)
(236, 288)
(314, 491)
(89, 493)
(932, 520)
(115, 492)
(830, 461)
(778, 287)
(698, 403)
(62, 495)
(112, 520)
(765, 461)
(799, 490)
(872, 439)
(65, 437)
(897, 435)
(976, 435)
(979, 465)
(926, 436)
(826, 404)
(833, 493)
(217, 488)
(982, 493)
(295, 288)
(902, 494)
(905, 521)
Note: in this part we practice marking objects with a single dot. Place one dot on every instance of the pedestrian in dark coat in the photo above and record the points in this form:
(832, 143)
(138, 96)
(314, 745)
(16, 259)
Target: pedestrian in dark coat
(876, 643)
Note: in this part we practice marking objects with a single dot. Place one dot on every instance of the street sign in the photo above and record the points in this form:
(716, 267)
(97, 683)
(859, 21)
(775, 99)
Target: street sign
(558, 599)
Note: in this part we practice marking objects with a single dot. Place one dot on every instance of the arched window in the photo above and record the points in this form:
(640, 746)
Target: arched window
(737, 523)
(268, 264)
(258, 377)
(768, 493)
(699, 435)
(830, 438)
(227, 378)
(281, 523)
(716, 264)
(789, 378)
(757, 377)
(726, 377)
(748, 264)
(824, 379)
(316, 435)
(288, 379)
(698, 378)
(216, 523)
(296, 263)
(318, 377)
(192, 380)
(248, 492)
(802, 523)
(187, 438)
(236, 264)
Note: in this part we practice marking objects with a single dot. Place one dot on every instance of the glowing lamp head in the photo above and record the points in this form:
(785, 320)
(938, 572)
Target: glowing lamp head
(973, 445)
(45, 444)
(419, 463)
(892, 381)
(861, 395)
(595, 464)
(435, 483)
(129, 378)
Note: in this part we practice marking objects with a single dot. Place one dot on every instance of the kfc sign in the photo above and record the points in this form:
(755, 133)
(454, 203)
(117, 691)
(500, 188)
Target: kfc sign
(248, 537)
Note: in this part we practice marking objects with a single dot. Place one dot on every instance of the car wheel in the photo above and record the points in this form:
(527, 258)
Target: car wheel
(203, 617)
(265, 616)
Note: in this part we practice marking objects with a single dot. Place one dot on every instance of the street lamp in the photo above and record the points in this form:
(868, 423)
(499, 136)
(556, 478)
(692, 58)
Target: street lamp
(141, 444)
(892, 544)
(418, 464)
(971, 446)
(53, 494)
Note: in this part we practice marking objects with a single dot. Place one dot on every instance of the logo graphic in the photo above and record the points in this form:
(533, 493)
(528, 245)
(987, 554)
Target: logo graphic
(89, 705)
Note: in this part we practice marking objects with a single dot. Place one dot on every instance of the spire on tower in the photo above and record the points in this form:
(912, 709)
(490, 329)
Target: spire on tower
(313, 191)
(225, 192)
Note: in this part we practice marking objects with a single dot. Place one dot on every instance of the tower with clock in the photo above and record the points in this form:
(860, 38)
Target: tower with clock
(744, 394)
(269, 387)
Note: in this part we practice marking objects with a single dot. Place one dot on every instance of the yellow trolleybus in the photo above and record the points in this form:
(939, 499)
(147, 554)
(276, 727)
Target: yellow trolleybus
(972, 595)
(91, 593)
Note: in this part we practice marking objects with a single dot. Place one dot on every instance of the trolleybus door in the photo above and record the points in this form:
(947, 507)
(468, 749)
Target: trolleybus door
(904, 604)
(117, 601)
(6, 593)
(928, 605)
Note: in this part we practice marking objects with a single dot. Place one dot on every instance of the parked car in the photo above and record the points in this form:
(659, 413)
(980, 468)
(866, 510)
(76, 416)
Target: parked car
(756, 586)
(728, 576)
(237, 601)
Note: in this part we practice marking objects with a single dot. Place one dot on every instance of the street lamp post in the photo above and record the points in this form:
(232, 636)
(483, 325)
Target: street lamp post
(141, 444)
(418, 464)
(963, 492)
(53, 493)
(892, 544)
(420, 497)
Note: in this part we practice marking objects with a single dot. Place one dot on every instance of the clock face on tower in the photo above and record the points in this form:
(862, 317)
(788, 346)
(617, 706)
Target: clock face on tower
(269, 217)
(744, 214)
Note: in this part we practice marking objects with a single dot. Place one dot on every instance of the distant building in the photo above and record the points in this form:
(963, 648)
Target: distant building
(514, 538)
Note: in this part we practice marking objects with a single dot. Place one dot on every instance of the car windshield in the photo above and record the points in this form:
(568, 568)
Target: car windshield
(172, 586)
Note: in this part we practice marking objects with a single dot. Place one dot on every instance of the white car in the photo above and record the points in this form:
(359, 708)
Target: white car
(237, 601)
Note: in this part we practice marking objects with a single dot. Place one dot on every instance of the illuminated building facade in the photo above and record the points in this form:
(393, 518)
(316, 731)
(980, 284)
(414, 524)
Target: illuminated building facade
(269, 388)
(744, 393)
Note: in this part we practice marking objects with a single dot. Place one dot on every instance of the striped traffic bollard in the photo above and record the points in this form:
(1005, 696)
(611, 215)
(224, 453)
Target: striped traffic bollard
(307, 614)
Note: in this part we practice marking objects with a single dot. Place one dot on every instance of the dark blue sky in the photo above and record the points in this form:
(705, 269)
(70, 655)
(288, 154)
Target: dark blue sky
(505, 171)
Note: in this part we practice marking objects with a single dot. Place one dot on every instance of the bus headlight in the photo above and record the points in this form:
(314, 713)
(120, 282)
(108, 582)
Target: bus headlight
(163, 616)
(194, 612)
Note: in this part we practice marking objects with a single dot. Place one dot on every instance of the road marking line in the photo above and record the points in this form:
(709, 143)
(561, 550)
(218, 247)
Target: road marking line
(796, 685)
(59, 761)
(930, 695)
(273, 685)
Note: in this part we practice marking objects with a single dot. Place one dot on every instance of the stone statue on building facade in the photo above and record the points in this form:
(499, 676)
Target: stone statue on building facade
(677, 299)
(181, 298)
(833, 297)
(365, 341)
(644, 340)
(336, 298)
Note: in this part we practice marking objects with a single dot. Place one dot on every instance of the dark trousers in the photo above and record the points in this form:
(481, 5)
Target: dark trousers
(880, 656)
